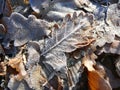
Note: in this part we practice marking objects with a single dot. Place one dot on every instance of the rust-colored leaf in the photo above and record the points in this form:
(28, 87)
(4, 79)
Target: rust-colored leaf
(97, 78)
(96, 82)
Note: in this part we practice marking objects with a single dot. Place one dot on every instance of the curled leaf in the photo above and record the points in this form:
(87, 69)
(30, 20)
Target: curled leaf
(17, 63)
(85, 43)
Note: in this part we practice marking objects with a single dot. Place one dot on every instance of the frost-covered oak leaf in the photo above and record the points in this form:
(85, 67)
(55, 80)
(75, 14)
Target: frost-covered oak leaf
(22, 29)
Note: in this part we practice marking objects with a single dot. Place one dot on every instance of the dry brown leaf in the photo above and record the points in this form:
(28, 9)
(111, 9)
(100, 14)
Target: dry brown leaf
(36, 77)
(96, 75)
(36, 14)
(59, 84)
(17, 63)
(2, 69)
(26, 1)
(96, 82)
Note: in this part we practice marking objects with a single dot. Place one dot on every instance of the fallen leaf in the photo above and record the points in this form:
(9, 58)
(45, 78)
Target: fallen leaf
(113, 13)
(96, 82)
(2, 68)
(53, 10)
(113, 18)
(17, 63)
(22, 29)
(18, 85)
(53, 55)
(74, 74)
(96, 75)
(113, 48)
(86, 4)
(36, 77)
(33, 54)
(64, 40)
